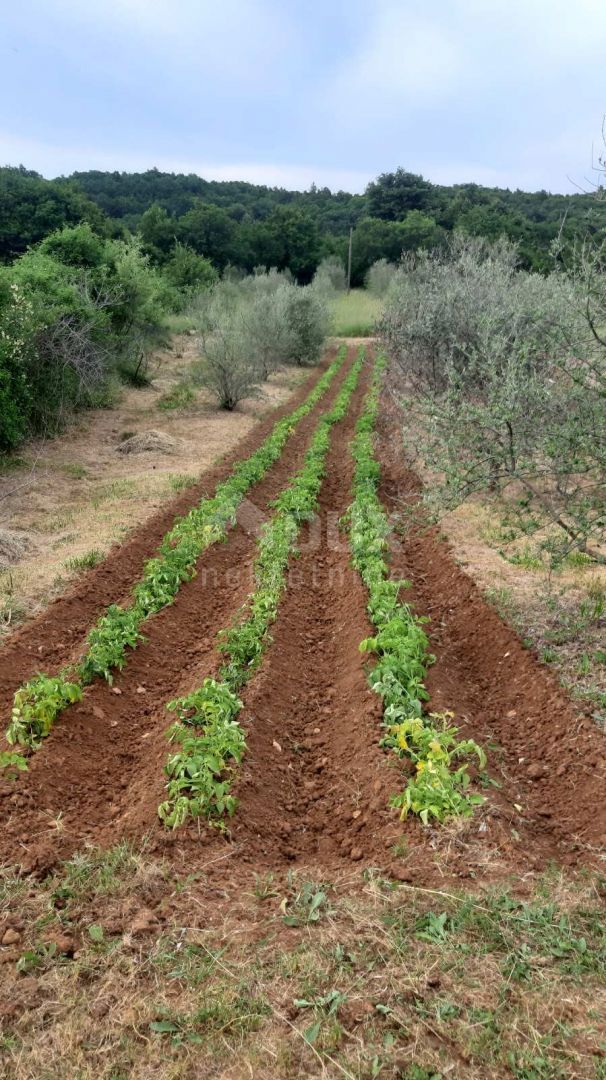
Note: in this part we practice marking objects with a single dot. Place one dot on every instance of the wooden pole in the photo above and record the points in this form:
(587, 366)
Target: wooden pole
(349, 259)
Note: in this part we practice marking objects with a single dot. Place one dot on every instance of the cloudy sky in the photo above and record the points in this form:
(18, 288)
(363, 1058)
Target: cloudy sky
(504, 92)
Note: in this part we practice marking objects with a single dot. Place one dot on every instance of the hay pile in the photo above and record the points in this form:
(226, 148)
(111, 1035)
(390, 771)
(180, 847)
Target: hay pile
(13, 547)
(147, 442)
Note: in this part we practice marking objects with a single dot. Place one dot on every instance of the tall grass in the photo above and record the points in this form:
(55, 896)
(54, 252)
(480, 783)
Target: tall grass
(355, 314)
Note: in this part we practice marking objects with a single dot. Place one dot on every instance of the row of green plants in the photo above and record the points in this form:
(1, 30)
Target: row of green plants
(439, 785)
(38, 703)
(210, 741)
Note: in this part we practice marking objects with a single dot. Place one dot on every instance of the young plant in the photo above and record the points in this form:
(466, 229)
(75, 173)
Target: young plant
(439, 787)
(201, 773)
(39, 702)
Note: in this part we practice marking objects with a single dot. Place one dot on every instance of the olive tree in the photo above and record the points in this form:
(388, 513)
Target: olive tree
(330, 277)
(226, 367)
(380, 277)
(307, 319)
(496, 362)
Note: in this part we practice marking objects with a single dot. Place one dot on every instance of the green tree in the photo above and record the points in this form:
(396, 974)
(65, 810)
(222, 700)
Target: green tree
(392, 195)
(31, 208)
(188, 271)
(209, 231)
(158, 232)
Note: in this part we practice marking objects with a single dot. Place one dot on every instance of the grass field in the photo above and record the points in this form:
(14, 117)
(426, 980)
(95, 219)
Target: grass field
(355, 314)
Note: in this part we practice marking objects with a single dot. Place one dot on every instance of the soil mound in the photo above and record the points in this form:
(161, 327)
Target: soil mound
(148, 442)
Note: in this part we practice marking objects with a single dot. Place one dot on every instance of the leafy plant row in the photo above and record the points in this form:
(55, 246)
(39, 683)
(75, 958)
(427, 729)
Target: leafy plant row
(38, 703)
(209, 738)
(439, 785)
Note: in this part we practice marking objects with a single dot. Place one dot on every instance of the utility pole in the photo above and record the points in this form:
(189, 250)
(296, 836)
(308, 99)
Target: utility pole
(349, 259)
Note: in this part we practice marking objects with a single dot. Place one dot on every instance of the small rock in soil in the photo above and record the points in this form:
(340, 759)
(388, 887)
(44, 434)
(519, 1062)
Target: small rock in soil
(535, 770)
(11, 936)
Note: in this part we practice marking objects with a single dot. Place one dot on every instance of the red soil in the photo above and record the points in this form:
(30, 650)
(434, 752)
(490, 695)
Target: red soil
(315, 784)
(48, 640)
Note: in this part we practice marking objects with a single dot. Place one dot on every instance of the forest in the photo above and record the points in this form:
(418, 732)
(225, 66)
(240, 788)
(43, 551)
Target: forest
(245, 225)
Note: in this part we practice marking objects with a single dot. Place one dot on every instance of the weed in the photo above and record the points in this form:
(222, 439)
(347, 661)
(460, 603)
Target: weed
(77, 472)
(10, 462)
(11, 608)
(179, 397)
(181, 481)
(87, 561)
(117, 489)
(264, 886)
(526, 559)
(307, 904)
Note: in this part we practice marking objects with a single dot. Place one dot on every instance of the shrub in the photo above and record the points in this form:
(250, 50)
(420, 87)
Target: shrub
(307, 319)
(188, 271)
(16, 355)
(507, 386)
(74, 310)
(227, 368)
(330, 277)
(380, 277)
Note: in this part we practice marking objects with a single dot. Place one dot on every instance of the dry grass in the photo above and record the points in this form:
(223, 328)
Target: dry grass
(153, 974)
(560, 613)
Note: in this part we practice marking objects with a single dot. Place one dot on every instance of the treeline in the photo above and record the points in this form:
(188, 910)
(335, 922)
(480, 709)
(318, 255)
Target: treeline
(247, 225)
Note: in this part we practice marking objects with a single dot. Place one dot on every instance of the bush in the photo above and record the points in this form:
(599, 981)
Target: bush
(330, 277)
(380, 277)
(74, 310)
(307, 319)
(506, 383)
(189, 272)
(227, 368)
(15, 359)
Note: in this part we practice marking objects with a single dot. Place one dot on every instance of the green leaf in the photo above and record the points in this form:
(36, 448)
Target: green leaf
(311, 1033)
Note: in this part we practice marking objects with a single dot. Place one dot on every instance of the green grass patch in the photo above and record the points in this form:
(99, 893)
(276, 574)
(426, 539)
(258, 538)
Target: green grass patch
(368, 978)
(355, 314)
(181, 396)
(86, 561)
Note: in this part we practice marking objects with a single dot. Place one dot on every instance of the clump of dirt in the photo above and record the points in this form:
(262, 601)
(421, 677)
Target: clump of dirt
(148, 442)
(13, 547)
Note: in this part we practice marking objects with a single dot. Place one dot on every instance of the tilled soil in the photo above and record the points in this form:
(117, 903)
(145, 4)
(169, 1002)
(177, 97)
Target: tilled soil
(49, 640)
(547, 757)
(315, 785)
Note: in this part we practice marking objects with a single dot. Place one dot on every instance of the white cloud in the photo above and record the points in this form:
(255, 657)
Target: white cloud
(404, 62)
(234, 40)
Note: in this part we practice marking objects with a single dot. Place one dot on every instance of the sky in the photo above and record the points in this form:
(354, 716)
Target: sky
(509, 93)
